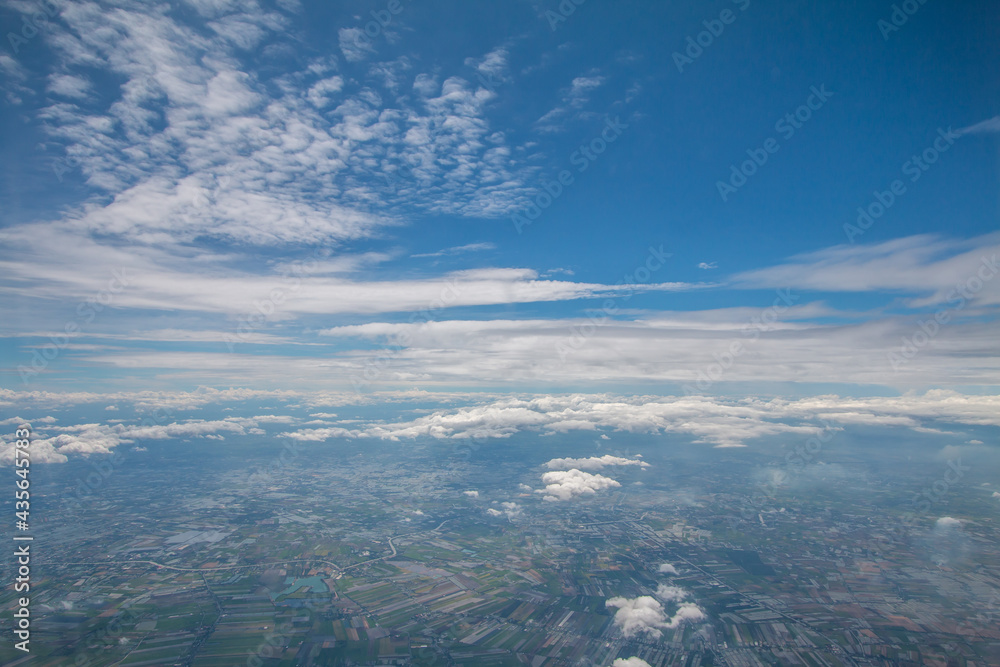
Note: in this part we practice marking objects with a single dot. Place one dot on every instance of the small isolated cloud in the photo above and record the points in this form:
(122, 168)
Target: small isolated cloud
(947, 543)
(510, 510)
(471, 494)
(458, 250)
(708, 265)
(572, 101)
(562, 485)
(594, 463)
(645, 614)
(996, 494)
(669, 593)
(630, 662)
(667, 568)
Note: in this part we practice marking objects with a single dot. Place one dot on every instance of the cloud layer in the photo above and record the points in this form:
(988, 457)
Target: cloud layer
(717, 421)
(595, 462)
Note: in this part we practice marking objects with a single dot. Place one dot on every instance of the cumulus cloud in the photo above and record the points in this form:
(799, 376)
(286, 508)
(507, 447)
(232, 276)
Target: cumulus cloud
(562, 485)
(669, 593)
(472, 493)
(645, 614)
(709, 420)
(594, 463)
(947, 543)
(96, 439)
(718, 421)
(630, 662)
(666, 568)
(19, 421)
(509, 510)
(511, 507)
(42, 451)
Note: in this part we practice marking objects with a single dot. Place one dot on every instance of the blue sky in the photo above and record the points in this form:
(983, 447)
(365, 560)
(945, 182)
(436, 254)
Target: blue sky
(257, 194)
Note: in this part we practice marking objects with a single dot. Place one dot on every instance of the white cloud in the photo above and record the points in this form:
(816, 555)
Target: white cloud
(511, 507)
(19, 421)
(666, 568)
(42, 451)
(712, 420)
(645, 614)
(708, 265)
(594, 463)
(96, 439)
(197, 144)
(572, 100)
(709, 420)
(458, 250)
(355, 44)
(669, 593)
(274, 419)
(563, 485)
(630, 662)
(472, 494)
(927, 265)
(684, 348)
(321, 93)
(947, 522)
(323, 434)
(508, 509)
(988, 126)
(75, 87)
